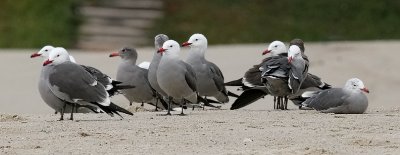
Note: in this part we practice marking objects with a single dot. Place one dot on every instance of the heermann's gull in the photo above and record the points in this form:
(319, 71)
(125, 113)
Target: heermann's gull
(347, 100)
(48, 97)
(175, 77)
(251, 81)
(210, 80)
(72, 83)
(284, 76)
(131, 74)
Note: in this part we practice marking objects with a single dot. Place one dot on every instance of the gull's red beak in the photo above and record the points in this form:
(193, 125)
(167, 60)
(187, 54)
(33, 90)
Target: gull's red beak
(186, 44)
(290, 59)
(161, 50)
(266, 52)
(114, 54)
(47, 62)
(35, 55)
(365, 90)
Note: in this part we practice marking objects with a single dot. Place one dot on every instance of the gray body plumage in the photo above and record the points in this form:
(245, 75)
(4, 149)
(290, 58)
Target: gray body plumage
(338, 100)
(210, 81)
(130, 74)
(50, 99)
(152, 73)
(177, 79)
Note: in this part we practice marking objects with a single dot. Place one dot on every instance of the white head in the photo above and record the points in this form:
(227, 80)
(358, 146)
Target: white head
(44, 52)
(356, 84)
(170, 48)
(57, 56)
(275, 48)
(196, 40)
(294, 53)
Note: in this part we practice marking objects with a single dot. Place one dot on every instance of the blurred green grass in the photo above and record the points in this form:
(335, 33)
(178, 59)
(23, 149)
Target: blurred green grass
(241, 21)
(35, 23)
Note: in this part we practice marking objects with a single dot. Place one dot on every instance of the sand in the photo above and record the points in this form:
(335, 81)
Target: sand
(29, 127)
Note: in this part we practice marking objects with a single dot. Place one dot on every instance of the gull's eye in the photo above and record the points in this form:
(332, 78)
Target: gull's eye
(196, 39)
(276, 46)
(58, 55)
(46, 50)
(170, 46)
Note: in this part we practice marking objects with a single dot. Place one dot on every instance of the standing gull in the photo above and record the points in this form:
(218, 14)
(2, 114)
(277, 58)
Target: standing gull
(210, 80)
(251, 84)
(48, 97)
(73, 84)
(175, 77)
(347, 100)
(284, 76)
(131, 74)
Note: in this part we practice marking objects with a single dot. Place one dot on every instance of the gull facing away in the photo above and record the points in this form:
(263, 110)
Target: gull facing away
(284, 76)
(210, 80)
(347, 100)
(175, 77)
(73, 84)
(131, 74)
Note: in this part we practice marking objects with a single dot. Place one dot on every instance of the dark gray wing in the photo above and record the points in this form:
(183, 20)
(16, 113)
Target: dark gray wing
(104, 79)
(314, 81)
(277, 66)
(326, 99)
(70, 82)
(217, 77)
(190, 76)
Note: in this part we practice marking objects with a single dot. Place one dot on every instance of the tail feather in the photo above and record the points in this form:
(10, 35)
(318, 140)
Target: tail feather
(237, 82)
(114, 109)
(247, 97)
(232, 94)
(115, 89)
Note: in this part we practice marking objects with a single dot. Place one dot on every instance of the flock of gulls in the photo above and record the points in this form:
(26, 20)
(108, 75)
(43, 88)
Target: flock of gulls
(172, 84)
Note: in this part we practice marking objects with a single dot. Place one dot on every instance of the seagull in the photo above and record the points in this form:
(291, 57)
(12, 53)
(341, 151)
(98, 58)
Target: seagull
(283, 76)
(73, 84)
(131, 74)
(176, 77)
(48, 97)
(251, 84)
(210, 80)
(153, 67)
(347, 100)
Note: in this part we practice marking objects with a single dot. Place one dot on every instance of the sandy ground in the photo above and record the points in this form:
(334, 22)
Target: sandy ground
(29, 127)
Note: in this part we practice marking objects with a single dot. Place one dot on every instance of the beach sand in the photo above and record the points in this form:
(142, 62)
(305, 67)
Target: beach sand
(28, 125)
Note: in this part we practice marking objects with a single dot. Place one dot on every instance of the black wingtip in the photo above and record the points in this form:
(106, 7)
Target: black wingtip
(115, 108)
(232, 94)
(247, 97)
(237, 82)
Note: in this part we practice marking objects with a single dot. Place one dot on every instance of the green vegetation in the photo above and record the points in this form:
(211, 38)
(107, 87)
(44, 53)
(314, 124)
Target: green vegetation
(247, 21)
(34, 23)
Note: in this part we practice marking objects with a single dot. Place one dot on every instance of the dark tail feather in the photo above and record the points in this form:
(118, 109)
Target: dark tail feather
(247, 97)
(115, 89)
(237, 82)
(232, 94)
(114, 109)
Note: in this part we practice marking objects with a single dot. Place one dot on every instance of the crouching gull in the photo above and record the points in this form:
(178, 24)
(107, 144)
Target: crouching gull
(175, 77)
(347, 100)
(283, 76)
(210, 80)
(72, 83)
(131, 74)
